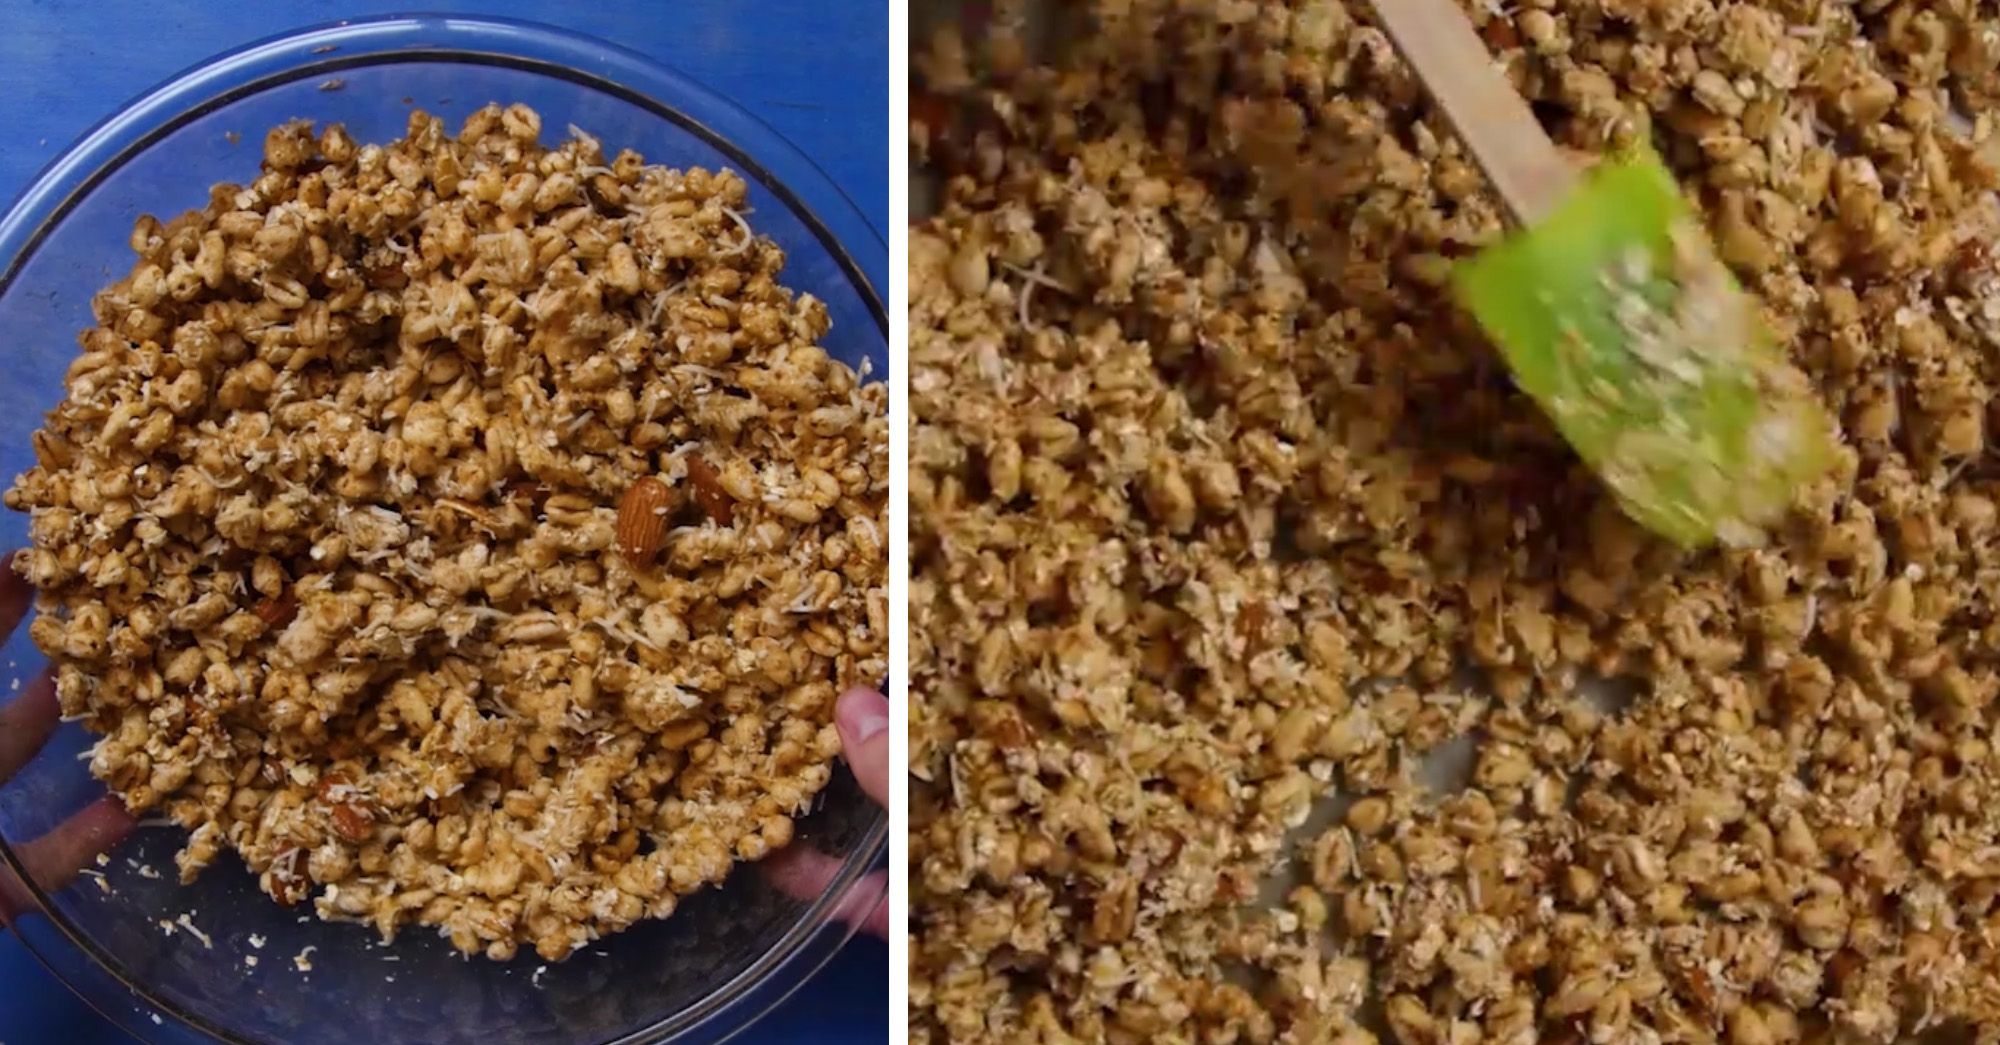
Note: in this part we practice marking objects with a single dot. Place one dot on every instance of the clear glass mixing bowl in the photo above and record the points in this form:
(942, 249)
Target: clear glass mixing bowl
(729, 954)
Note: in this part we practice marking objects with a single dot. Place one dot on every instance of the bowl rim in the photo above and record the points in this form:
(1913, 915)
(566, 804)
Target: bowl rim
(137, 125)
(588, 62)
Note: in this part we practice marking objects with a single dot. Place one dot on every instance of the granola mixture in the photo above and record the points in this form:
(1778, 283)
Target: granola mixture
(467, 533)
(1224, 516)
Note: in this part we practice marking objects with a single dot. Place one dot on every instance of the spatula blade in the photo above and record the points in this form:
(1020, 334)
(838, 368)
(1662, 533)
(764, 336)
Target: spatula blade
(1616, 316)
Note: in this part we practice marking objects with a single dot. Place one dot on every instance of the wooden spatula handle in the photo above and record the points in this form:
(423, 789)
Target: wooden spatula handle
(1491, 118)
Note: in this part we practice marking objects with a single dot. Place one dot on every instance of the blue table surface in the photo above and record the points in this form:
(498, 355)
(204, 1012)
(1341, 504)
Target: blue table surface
(814, 70)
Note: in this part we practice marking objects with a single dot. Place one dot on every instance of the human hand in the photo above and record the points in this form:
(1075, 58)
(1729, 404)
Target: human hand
(863, 718)
(26, 723)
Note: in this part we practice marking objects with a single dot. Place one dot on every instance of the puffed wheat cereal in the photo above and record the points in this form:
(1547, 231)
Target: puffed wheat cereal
(1224, 519)
(328, 538)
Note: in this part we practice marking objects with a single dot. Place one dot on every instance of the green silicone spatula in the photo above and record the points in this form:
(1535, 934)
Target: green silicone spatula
(1614, 312)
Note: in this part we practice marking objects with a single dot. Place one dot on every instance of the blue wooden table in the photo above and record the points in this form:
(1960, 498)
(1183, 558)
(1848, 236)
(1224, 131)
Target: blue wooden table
(814, 70)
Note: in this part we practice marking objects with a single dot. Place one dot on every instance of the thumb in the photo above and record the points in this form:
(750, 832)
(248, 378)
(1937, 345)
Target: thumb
(863, 718)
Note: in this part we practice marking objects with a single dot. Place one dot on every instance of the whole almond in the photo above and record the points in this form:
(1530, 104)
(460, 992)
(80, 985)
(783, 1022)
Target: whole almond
(708, 492)
(642, 520)
(290, 881)
(277, 611)
(352, 822)
(333, 785)
(528, 491)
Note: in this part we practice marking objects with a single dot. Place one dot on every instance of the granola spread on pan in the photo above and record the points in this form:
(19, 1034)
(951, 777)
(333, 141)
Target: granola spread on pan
(1223, 515)
(466, 533)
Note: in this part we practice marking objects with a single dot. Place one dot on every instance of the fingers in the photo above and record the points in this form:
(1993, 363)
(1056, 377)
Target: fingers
(876, 924)
(25, 724)
(27, 720)
(14, 900)
(54, 859)
(863, 718)
(803, 874)
(15, 594)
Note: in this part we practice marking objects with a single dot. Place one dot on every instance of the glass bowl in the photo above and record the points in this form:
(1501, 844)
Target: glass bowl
(728, 954)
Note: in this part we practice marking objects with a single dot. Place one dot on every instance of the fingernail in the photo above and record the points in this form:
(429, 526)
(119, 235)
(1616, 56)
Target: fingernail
(864, 713)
